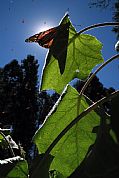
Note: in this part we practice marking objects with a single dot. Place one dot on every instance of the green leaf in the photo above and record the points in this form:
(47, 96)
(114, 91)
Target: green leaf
(113, 135)
(1, 138)
(56, 174)
(73, 146)
(103, 159)
(20, 170)
(14, 167)
(80, 55)
(3, 142)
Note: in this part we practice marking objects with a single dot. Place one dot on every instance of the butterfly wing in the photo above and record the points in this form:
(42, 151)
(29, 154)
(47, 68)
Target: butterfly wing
(45, 38)
(57, 40)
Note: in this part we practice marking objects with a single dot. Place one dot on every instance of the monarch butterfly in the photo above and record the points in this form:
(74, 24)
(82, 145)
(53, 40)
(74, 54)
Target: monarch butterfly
(56, 39)
(46, 38)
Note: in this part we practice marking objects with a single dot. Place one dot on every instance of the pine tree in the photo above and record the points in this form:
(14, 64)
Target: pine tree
(26, 112)
(116, 18)
(19, 99)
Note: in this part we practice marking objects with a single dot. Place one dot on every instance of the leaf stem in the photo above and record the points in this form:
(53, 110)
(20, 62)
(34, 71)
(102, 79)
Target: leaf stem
(97, 70)
(98, 25)
(70, 125)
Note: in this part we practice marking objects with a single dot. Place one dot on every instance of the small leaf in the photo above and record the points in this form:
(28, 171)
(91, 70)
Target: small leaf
(113, 135)
(14, 167)
(73, 146)
(80, 54)
(1, 138)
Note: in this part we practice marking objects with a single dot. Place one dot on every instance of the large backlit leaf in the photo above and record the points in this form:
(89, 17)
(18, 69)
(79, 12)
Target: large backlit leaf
(79, 56)
(103, 160)
(73, 147)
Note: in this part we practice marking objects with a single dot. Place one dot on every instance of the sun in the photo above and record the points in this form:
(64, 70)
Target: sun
(44, 26)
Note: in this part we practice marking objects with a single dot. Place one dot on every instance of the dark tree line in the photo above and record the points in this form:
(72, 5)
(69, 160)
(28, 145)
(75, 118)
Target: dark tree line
(116, 18)
(101, 3)
(21, 104)
(18, 99)
(95, 91)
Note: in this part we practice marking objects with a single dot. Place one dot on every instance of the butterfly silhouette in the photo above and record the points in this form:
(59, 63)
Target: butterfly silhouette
(56, 39)
(46, 38)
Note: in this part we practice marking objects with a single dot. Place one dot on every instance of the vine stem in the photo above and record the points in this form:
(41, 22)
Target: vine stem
(97, 70)
(104, 24)
(70, 125)
(10, 148)
(98, 25)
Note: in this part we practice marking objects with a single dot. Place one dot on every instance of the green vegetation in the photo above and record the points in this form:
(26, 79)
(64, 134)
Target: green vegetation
(78, 138)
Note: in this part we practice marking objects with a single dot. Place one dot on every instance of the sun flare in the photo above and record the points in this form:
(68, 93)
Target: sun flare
(44, 27)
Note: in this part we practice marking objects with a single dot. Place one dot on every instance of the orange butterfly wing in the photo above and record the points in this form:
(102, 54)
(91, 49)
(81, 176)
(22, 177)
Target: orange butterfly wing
(45, 38)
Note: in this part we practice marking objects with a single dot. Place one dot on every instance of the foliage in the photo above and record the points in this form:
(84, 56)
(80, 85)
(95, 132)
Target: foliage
(14, 167)
(26, 111)
(77, 138)
(45, 104)
(95, 91)
(116, 18)
(80, 135)
(84, 47)
(100, 3)
(18, 99)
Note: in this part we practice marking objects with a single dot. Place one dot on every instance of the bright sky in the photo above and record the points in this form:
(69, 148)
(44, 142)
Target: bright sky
(20, 19)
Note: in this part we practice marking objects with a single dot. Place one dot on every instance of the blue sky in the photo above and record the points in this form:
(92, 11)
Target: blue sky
(20, 19)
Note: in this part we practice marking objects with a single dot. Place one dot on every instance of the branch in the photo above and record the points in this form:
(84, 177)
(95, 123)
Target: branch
(98, 25)
(97, 70)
